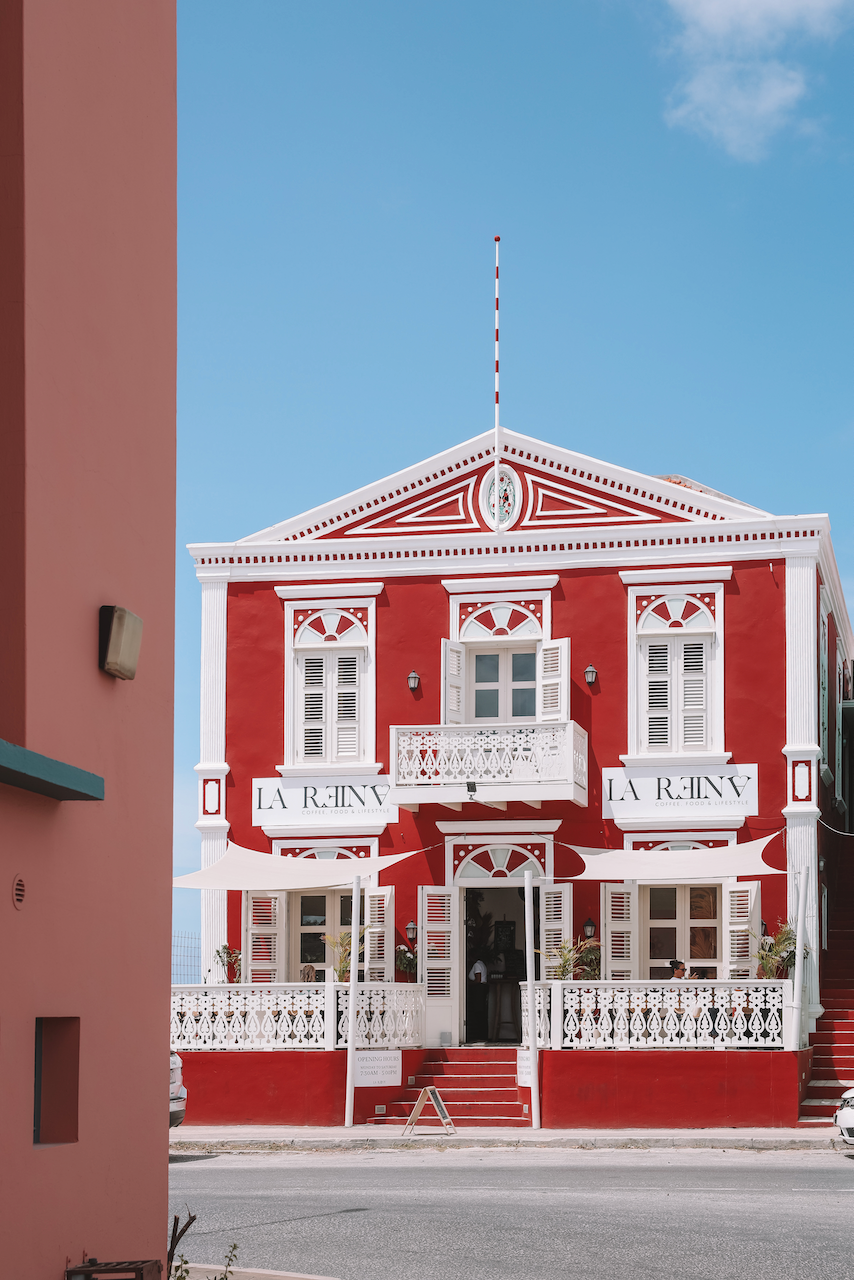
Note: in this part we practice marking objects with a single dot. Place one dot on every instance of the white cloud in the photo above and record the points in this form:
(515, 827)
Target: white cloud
(741, 105)
(736, 90)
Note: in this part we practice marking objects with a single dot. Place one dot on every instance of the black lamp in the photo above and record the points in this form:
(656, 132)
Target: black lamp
(589, 927)
(590, 674)
(411, 931)
(413, 680)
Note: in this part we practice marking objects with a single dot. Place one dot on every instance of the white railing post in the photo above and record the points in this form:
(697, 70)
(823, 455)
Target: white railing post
(533, 1029)
(556, 1014)
(798, 1000)
(355, 929)
(330, 1010)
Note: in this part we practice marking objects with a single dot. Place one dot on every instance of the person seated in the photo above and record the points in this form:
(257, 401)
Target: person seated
(677, 970)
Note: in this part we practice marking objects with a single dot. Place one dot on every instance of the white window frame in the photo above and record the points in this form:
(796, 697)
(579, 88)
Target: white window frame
(716, 752)
(840, 691)
(512, 596)
(367, 709)
(824, 690)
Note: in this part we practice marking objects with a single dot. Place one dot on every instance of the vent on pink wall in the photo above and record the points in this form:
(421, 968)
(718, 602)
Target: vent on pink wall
(18, 891)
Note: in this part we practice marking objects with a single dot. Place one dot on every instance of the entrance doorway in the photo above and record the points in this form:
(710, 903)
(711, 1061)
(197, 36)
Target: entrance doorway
(495, 962)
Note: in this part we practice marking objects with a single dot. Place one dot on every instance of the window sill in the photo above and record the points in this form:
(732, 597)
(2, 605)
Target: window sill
(47, 777)
(677, 761)
(326, 770)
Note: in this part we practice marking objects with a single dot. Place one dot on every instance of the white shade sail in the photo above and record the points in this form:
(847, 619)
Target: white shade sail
(676, 864)
(248, 869)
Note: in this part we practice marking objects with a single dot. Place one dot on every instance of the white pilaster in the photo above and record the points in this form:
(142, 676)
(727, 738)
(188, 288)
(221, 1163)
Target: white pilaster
(802, 748)
(212, 769)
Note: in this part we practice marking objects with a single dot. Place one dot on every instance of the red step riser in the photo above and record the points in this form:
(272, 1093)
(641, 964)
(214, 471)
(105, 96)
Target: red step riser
(483, 1123)
(476, 1070)
(498, 1096)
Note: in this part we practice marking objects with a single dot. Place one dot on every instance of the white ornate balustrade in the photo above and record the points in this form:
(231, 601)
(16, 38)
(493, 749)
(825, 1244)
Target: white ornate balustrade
(389, 1015)
(521, 762)
(295, 1016)
(663, 1015)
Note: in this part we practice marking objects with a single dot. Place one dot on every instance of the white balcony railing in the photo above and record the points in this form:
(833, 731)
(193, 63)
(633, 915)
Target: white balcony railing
(527, 761)
(295, 1016)
(663, 1015)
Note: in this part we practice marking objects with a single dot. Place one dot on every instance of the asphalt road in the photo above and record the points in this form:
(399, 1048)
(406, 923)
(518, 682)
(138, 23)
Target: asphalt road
(527, 1215)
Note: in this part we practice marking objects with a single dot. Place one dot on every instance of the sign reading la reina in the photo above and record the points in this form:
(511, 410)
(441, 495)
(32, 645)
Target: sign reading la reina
(321, 802)
(650, 792)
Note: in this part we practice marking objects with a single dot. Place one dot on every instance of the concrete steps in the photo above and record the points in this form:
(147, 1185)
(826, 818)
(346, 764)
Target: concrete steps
(477, 1086)
(833, 1039)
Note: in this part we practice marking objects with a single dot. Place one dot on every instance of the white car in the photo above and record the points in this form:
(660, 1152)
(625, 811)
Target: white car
(845, 1117)
(177, 1092)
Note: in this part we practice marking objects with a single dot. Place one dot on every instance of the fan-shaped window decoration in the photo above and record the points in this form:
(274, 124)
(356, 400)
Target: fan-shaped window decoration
(501, 621)
(676, 613)
(499, 862)
(327, 854)
(326, 626)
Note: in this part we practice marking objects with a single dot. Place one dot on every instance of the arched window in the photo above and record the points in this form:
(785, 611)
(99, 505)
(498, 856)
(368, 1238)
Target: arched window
(325, 626)
(502, 621)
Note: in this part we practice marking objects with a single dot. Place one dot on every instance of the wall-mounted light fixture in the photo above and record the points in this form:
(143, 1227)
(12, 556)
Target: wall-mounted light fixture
(589, 927)
(411, 931)
(590, 674)
(119, 640)
(413, 680)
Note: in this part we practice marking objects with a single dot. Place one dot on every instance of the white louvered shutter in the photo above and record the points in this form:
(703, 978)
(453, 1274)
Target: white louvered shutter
(266, 935)
(621, 942)
(346, 705)
(312, 727)
(742, 927)
(657, 694)
(555, 924)
(694, 693)
(453, 682)
(553, 680)
(438, 948)
(379, 935)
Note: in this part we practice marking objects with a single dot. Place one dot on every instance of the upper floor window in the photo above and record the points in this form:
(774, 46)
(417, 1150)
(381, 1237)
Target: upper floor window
(329, 683)
(676, 699)
(503, 670)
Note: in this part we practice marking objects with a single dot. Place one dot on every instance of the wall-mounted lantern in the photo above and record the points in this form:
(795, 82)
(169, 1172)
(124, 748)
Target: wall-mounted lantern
(590, 674)
(413, 680)
(411, 931)
(589, 927)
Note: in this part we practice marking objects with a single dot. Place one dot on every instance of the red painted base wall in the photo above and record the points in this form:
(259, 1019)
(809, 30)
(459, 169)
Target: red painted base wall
(672, 1088)
(297, 1087)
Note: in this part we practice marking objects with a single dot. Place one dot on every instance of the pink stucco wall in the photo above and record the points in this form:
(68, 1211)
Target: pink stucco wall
(87, 402)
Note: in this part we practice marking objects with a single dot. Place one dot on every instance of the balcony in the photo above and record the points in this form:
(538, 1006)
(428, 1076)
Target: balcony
(450, 763)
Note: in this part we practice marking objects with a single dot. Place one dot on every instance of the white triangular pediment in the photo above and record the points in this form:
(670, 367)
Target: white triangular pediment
(558, 488)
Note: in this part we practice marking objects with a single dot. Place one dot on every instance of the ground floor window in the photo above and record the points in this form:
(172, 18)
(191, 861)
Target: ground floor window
(303, 937)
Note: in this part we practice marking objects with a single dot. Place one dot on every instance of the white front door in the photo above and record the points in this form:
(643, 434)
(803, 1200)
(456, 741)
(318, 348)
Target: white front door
(681, 922)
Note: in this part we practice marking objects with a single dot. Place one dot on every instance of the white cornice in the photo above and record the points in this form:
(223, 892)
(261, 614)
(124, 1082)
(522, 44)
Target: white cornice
(426, 556)
(497, 828)
(539, 582)
(650, 577)
(330, 590)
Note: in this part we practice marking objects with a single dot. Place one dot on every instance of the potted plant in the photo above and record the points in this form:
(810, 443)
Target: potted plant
(340, 948)
(581, 960)
(776, 953)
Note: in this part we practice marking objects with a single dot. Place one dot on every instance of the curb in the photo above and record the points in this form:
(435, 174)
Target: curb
(616, 1143)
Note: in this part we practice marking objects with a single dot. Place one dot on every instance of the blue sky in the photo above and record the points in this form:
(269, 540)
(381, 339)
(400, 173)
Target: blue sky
(673, 184)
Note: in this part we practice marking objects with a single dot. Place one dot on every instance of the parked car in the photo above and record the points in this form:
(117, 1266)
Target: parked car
(177, 1092)
(845, 1117)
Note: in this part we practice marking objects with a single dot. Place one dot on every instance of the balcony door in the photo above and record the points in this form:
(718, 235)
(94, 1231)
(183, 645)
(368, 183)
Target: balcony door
(502, 685)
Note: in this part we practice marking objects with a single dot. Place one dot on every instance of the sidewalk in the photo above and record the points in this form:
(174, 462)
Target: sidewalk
(252, 1138)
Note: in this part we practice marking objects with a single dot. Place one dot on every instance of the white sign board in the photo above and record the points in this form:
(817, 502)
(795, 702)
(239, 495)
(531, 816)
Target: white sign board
(524, 1075)
(651, 792)
(375, 1068)
(321, 802)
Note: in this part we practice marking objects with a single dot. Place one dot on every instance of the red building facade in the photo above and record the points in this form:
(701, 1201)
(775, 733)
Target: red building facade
(629, 662)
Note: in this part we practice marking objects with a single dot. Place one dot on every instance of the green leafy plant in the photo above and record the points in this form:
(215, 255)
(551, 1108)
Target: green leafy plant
(230, 961)
(340, 948)
(230, 1258)
(181, 1269)
(777, 953)
(406, 959)
(581, 959)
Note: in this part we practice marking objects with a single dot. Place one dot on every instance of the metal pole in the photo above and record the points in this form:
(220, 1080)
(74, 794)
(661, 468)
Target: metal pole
(355, 926)
(495, 445)
(803, 882)
(532, 997)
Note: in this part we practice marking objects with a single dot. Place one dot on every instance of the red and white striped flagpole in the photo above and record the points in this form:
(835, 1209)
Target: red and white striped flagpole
(496, 489)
